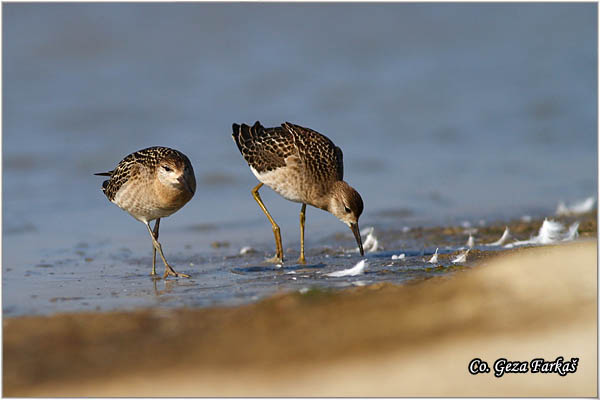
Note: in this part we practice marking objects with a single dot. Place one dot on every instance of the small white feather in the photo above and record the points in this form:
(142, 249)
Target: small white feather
(371, 242)
(461, 257)
(434, 258)
(246, 250)
(502, 239)
(358, 269)
(399, 256)
(550, 232)
(579, 207)
(470, 242)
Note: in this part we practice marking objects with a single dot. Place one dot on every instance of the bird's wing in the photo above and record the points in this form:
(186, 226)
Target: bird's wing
(322, 158)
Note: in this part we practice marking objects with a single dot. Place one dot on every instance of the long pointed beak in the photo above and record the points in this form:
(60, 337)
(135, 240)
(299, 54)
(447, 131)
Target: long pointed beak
(354, 228)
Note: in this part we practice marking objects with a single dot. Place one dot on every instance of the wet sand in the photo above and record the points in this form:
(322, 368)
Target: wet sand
(378, 340)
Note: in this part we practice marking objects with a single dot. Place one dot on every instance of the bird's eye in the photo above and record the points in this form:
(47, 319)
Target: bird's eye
(166, 168)
(346, 209)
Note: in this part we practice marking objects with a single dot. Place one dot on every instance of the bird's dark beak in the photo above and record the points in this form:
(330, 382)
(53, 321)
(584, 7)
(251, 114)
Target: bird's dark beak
(356, 232)
(186, 184)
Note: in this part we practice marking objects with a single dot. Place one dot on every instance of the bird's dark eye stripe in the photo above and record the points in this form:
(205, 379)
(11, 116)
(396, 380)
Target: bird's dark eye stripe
(347, 209)
(166, 168)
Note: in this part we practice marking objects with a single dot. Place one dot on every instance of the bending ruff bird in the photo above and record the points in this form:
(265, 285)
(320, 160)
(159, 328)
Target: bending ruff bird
(151, 184)
(302, 166)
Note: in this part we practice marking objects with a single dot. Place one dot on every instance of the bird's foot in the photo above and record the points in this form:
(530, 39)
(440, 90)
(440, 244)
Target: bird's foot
(275, 260)
(302, 260)
(169, 271)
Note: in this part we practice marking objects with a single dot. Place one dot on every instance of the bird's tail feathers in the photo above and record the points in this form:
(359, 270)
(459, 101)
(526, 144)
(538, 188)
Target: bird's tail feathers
(244, 133)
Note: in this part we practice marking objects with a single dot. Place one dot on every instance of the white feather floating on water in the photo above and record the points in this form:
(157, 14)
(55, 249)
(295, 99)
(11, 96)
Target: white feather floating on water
(358, 269)
(502, 239)
(434, 258)
(470, 242)
(246, 250)
(371, 243)
(550, 232)
(580, 207)
(461, 257)
(399, 256)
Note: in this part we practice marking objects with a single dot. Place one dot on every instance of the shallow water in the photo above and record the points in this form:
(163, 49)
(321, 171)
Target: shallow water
(444, 112)
(107, 275)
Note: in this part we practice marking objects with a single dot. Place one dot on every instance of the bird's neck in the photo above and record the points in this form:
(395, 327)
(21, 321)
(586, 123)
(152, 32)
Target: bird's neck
(325, 201)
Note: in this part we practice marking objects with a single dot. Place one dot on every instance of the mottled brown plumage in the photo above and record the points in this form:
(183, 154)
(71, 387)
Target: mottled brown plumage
(266, 149)
(303, 166)
(151, 184)
(132, 165)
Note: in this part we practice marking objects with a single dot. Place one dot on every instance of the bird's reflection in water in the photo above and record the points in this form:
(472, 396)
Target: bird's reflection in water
(168, 286)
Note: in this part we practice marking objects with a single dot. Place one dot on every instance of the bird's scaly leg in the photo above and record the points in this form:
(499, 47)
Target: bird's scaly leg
(156, 227)
(276, 232)
(168, 269)
(301, 259)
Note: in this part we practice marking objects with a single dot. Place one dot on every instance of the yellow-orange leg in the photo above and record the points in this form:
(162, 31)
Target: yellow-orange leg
(276, 232)
(168, 269)
(301, 259)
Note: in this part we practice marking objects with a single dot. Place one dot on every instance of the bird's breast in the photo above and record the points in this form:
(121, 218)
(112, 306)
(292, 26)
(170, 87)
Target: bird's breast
(293, 184)
(146, 202)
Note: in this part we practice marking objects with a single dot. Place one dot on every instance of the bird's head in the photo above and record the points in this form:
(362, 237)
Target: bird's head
(347, 205)
(175, 171)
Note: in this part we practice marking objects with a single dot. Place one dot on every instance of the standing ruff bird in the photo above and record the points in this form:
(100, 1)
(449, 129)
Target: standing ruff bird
(151, 184)
(302, 166)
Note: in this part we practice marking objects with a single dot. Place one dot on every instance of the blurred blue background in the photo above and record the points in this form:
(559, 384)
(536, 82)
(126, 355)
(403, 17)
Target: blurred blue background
(444, 112)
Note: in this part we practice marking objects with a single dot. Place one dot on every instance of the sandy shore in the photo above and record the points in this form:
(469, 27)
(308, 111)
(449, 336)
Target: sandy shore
(382, 340)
